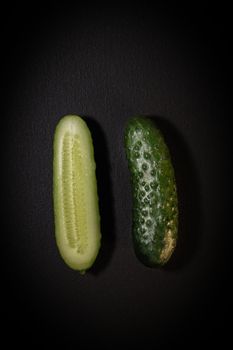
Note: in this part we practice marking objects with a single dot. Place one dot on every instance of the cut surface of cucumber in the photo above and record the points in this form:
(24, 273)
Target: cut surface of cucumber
(76, 209)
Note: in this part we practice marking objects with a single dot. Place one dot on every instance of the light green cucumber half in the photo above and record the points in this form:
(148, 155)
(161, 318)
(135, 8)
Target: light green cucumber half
(76, 209)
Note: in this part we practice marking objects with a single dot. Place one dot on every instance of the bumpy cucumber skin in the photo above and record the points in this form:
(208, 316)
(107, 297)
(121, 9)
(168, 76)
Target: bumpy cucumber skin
(72, 124)
(155, 203)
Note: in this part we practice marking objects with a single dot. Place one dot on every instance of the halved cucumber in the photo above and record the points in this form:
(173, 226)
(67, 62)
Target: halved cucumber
(155, 205)
(77, 219)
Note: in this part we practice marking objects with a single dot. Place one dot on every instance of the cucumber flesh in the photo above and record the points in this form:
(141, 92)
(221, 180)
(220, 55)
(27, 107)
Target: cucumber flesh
(76, 209)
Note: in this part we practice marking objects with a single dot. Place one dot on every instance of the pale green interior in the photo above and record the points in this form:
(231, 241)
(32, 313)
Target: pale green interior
(73, 193)
(77, 220)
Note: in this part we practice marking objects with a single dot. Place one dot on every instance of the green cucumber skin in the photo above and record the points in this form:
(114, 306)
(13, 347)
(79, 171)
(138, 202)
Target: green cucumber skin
(155, 203)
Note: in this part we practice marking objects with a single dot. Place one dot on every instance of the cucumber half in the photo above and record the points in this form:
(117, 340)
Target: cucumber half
(76, 209)
(155, 203)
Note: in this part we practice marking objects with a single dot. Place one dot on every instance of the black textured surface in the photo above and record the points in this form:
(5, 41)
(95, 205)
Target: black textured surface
(108, 65)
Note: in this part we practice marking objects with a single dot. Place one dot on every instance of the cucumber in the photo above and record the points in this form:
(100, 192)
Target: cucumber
(155, 203)
(76, 208)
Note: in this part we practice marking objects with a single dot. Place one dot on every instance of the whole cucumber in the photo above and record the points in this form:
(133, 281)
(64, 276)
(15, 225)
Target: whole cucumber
(155, 203)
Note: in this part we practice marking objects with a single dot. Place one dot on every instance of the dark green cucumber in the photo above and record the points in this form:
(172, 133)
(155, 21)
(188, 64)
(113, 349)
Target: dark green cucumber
(155, 204)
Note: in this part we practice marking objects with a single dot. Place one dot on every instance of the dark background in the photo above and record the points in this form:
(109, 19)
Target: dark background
(108, 64)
